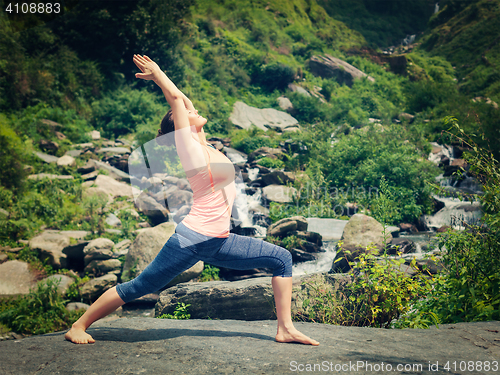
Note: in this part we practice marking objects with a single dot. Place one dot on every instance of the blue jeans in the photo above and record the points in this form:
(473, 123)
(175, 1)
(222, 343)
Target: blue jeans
(186, 247)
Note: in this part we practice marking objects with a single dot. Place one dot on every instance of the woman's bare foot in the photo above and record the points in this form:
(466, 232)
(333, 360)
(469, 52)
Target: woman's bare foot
(292, 335)
(78, 336)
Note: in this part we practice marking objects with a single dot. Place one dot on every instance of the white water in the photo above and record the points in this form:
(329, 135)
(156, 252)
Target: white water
(322, 264)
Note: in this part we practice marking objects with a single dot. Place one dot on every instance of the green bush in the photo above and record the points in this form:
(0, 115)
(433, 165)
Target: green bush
(121, 111)
(41, 311)
(209, 273)
(274, 76)
(12, 155)
(181, 312)
(469, 287)
(376, 293)
(271, 163)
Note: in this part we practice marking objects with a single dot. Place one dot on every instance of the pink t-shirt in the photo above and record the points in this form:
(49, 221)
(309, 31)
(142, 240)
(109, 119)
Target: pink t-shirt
(214, 192)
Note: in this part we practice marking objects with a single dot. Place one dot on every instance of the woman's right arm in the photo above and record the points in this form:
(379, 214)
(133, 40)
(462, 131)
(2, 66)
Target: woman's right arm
(190, 152)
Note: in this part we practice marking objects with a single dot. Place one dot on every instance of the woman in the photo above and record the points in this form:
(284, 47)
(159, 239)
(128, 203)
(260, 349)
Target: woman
(204, 233)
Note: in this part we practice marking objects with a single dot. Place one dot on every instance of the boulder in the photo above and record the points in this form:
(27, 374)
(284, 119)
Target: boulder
(98, 249)
(46, 157)
(95, 135)
(331, 67)
(94, 288)
(250, 299)
(278, 178)
(91, 191)
(282, 227)
(63, 282)
(112, 187)
(360, 232)
(285, 104)
(16, 278)
(279, 193)
(101, 267)
(155, 211)
(244, 116)
(51, 244)
(87, 168)
(113, 221)
(114, 172)
(144, 249)
(122, 248)
(66, 161)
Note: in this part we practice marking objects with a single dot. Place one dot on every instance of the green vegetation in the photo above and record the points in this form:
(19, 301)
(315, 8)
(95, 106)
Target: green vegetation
(41, 311)
(376, 293)
(181, 312)
(209, 273)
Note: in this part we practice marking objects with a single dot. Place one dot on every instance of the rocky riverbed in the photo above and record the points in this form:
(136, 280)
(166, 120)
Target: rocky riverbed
(158, 346)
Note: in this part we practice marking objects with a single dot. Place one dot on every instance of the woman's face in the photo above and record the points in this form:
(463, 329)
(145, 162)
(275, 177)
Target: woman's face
(196, 120)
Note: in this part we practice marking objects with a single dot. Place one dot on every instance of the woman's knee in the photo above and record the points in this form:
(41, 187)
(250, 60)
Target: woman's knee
(285, 267)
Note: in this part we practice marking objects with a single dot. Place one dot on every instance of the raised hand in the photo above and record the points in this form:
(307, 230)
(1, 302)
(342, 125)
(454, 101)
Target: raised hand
(150, 70)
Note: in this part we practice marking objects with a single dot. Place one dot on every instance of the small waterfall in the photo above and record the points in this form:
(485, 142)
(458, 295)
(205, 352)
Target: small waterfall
(322, 264)
(455, 213)
(436, 8)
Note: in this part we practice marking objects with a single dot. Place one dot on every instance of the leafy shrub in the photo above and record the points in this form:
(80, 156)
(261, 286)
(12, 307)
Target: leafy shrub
(271, 163)
(209, 273)
(12, 155)
(121, 111)
(181, 312)
(41, 311)
(274, 76)
(376, 294)
(250, 140)
(468, 288)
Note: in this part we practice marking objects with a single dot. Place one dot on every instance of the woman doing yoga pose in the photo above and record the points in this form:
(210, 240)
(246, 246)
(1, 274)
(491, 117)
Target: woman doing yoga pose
(204, 232)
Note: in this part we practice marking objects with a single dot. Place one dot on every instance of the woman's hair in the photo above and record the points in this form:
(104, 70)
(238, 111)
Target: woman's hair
(167, 126)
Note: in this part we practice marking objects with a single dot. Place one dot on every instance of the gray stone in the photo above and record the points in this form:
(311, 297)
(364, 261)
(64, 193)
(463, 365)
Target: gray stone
(98, 249)
(15, 278)
(250, 299)
(329, 229)
(160, 346)
(3, 258)
(113, 221)
(95, 135)
(360, 232)
(90, 176)
(46, 157)
(150, 207)
(298, 89)
(51, 244)
(100, 267)
(282, 227)
(66, 161)
(115, 172)
(331, 67)
(95, 287)
(63, 282)
(279, 193)
(278, 178)
(96, 191)
(113, 150)
(244, 116)
(122, 247)
(87, 168)
(144, 249)
(285, 103)
(73, 153)
(112, 187)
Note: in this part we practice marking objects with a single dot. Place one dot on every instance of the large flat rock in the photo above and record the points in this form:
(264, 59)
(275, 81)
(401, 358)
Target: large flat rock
(157, 346)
